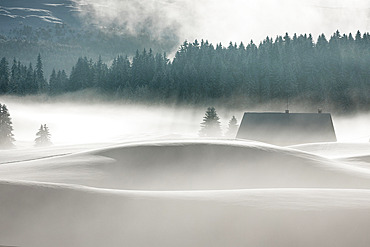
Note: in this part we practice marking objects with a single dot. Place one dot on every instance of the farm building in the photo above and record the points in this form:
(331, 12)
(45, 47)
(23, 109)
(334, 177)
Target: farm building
(287, 128)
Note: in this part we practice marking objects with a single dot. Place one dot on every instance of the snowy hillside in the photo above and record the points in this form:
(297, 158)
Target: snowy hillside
(181, 193)
(39, 13)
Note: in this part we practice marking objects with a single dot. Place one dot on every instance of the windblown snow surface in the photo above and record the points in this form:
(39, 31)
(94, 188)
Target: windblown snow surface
(186, 193)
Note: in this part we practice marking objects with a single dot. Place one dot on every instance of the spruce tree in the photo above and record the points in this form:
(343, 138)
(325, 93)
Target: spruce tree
(6, 129)
(82, 75)
(233, 127)
(53, 82)
(43, 136)
(40, 79)
(210, 127)
(4, 76)
(31, 87)
(14, 78)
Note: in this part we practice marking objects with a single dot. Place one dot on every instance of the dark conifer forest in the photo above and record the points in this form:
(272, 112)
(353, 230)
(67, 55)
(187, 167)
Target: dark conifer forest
(329, 71)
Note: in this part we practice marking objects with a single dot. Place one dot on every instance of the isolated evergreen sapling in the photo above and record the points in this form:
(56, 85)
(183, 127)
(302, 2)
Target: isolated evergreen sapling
(233, 127)
(43, 136)
(210, 127)
(6, 129)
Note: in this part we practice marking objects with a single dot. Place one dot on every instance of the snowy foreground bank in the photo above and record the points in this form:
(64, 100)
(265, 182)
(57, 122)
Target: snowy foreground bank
(186, 193)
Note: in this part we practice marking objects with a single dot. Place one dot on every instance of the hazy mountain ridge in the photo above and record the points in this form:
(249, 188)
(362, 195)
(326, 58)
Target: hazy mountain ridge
(39, 13)
(55, 30)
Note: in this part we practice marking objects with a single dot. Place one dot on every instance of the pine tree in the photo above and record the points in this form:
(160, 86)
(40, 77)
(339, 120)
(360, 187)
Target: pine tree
(6, 129)
(99, 72)
(211, 124)
(41, 82)
(4, 76)
(62, 82)
(119, 74)
(136, 70)
(43, 136)
(53, 88)
(14, 78)
(32, 86)
(233, 127)
(81, 75)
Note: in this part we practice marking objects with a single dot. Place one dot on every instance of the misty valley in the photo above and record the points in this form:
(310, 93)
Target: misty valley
(184, 123)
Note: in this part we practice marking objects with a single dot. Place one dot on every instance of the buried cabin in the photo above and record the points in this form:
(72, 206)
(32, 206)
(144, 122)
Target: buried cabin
(287, 128)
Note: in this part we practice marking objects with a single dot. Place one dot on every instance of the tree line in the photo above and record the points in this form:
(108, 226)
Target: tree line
(328, 71)
(61, 45)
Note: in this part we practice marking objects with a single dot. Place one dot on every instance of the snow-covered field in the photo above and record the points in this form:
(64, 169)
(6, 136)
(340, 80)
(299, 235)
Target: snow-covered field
(185, 193)
(143, 178)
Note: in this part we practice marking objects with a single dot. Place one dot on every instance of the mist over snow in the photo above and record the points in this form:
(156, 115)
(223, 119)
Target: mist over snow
(84, 123)
(352, 128)
(138, 174)
(183, 193)
(225, 21)
(73, 122)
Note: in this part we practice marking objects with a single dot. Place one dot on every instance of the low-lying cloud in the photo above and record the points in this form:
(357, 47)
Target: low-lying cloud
(156, 18)
(224, 21)
(72, 122)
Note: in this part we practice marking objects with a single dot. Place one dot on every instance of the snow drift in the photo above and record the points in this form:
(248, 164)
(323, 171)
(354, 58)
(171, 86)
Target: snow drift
(183, 193)
(191, 165)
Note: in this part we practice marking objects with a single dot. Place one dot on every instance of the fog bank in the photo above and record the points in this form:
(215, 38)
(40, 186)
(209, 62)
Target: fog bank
(76, 122)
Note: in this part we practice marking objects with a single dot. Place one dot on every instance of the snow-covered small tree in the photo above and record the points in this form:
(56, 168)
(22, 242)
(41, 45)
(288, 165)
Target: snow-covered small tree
(6, 128)
(211, 125)
(43, 136)
(233, 127)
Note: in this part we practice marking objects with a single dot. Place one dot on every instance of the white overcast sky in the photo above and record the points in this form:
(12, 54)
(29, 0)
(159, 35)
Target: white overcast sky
(233, 20)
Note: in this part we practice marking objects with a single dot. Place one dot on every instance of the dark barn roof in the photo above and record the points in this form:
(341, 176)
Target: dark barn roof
(287, 128)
